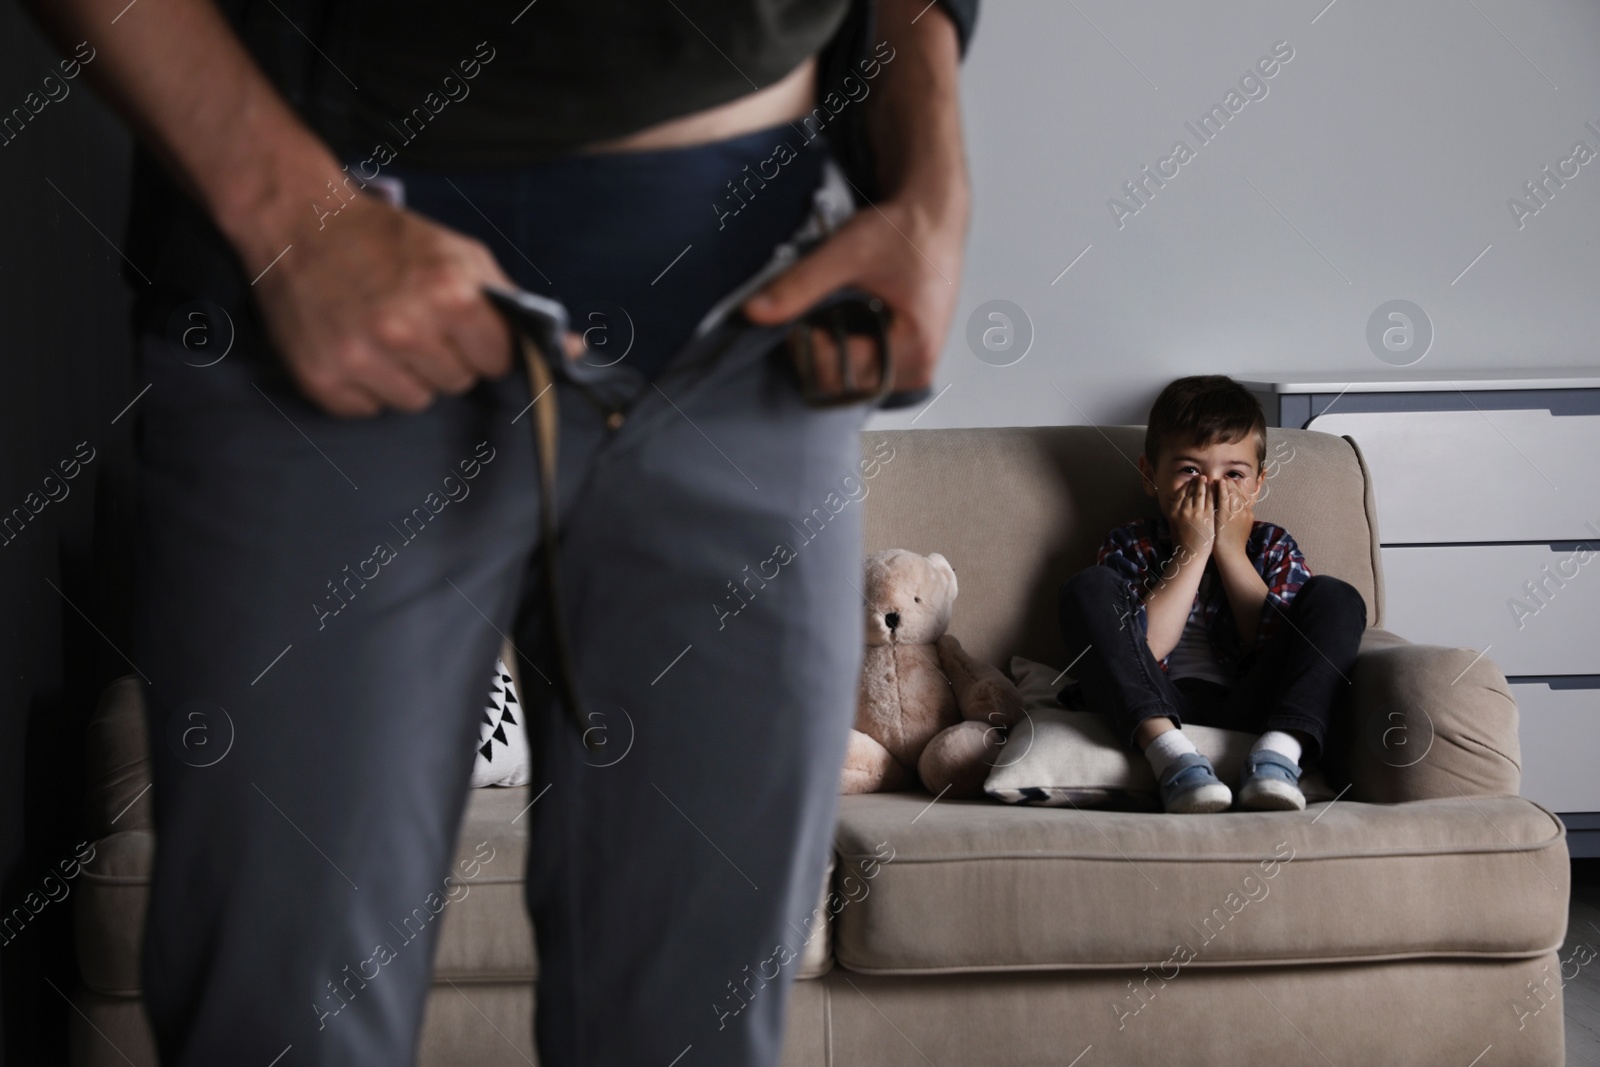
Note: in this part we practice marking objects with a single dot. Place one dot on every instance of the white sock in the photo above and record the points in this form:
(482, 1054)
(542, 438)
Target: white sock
(1282, 743)
(1166, 747)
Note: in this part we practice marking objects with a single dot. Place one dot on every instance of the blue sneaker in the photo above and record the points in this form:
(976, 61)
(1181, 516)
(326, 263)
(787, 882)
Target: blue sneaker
(1190, 786)
(1270, 781)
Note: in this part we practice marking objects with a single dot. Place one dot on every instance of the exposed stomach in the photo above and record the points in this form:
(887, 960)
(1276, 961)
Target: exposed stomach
(785, 100)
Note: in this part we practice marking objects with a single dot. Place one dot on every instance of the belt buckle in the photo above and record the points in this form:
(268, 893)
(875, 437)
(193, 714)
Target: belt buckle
(850, 312)
(846, 314)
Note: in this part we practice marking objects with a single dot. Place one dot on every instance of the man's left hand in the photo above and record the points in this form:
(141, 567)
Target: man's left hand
(901, 252)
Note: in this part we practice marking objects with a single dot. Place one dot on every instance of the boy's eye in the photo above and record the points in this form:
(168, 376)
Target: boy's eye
(1235, 474)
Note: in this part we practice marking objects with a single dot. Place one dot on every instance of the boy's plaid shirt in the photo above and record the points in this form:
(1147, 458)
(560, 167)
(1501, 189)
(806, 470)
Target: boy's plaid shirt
(1140, 551)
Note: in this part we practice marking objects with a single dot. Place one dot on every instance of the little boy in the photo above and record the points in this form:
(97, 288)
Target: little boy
(1206, 615)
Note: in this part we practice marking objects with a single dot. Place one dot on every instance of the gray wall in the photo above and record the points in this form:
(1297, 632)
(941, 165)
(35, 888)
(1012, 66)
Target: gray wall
(1377, 166)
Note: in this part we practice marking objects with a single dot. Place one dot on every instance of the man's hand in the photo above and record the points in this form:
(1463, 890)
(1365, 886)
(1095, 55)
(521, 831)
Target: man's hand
(382, 308)
(1193, 519)
(906, 249)
(899, 253)
(378, 307)
(1235, 518)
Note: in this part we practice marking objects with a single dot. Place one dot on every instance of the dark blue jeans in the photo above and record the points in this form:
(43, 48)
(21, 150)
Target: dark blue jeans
(1293, 683)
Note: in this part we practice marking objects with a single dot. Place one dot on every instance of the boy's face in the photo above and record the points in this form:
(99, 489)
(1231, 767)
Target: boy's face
(1178, 463)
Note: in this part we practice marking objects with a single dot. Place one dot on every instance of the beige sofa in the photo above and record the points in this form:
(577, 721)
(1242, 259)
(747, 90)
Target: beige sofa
(1415, 919)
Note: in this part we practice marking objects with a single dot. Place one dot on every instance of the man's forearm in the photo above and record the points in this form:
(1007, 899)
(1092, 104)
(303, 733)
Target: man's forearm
(179, 75)
(915, 123)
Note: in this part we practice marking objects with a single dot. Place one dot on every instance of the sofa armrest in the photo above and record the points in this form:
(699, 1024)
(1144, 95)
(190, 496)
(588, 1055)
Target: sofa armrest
(117, 767)
(1422, 721)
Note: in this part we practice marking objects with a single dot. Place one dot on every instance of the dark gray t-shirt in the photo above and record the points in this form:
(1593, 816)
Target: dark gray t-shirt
(480, 84)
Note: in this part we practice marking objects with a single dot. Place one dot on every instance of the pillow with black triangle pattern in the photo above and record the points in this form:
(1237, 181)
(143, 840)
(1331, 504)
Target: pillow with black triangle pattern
(502, 757)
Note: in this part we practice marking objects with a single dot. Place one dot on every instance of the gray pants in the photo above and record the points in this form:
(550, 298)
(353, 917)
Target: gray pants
(332, 593)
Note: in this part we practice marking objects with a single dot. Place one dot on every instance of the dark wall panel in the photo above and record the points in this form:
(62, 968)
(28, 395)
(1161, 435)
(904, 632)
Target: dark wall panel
(65, 556)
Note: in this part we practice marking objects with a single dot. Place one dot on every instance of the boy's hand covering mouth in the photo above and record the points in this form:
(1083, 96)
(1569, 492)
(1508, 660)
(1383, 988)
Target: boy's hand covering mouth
(1193, 518)
(1235, 517)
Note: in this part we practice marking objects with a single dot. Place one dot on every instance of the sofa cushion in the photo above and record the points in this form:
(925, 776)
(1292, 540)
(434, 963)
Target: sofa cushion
(977, 886)
(485, 935)
(1016, 510)
(108, 921)
(1071, 758)
(1063, 758)
(503, 756)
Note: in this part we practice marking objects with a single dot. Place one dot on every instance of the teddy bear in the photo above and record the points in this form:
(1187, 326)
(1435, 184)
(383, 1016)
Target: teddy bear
(926, 710)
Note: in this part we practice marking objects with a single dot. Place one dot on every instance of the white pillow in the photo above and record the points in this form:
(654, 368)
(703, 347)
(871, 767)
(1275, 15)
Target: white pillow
(502, 757)
(1056, 758)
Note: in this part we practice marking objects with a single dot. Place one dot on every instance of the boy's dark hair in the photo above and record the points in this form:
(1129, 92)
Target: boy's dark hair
(1201, 410)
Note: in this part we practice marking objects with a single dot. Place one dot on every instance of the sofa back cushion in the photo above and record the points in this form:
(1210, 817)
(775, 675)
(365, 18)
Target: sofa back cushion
(1017, 509)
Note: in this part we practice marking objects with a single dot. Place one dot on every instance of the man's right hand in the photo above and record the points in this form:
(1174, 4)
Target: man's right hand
(379, 307)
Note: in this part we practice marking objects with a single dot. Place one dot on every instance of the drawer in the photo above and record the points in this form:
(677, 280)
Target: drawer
(1560, 733)
(1477, 596)
(1451, 476)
